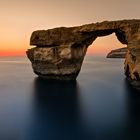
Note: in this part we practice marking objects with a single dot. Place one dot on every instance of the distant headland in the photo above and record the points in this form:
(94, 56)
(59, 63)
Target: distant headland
(117, 53)
(59, 52)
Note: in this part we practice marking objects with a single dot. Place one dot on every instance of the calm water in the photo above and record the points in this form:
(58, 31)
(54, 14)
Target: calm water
(99, 106)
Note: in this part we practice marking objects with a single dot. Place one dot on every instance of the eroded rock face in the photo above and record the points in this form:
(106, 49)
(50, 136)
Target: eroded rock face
(118, 53)
(61, 63)
(132, 68)
(59, 52)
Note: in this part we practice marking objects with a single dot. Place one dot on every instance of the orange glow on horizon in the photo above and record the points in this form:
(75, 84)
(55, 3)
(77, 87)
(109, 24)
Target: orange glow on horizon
(12, 53)
(97, 50)
(15, 45)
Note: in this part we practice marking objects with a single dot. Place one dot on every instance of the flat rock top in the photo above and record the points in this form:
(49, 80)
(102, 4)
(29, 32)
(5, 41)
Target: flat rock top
(67, 35)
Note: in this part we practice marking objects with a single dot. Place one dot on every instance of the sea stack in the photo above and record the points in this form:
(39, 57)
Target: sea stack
(59, 52)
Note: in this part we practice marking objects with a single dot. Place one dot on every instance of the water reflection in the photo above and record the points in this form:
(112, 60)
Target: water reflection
(100, 105)
(55, 109)
(133, 117)
(59, 98)
(62, 110)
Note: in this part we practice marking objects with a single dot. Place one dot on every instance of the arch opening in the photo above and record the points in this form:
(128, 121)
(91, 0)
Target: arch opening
(106, 43)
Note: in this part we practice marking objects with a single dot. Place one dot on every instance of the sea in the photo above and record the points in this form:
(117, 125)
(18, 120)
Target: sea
(99, 105)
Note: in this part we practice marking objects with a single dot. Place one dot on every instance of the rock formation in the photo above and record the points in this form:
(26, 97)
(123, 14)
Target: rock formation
(118, 53)
(59, 52)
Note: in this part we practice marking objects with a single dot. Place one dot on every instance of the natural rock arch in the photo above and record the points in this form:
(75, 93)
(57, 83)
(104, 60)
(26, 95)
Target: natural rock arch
(59, 52)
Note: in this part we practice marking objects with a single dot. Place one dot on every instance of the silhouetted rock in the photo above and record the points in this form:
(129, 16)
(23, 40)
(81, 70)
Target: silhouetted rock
(118, 53)
(59, 52)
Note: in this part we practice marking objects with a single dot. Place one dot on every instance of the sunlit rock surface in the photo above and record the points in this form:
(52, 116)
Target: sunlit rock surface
(118, 53)
(61, 63)
(59, 52)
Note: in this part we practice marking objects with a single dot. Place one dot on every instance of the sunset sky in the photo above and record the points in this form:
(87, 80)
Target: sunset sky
(20, 17)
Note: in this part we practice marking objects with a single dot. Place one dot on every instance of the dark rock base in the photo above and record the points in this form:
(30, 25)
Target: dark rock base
(134, 83)
(66, 77)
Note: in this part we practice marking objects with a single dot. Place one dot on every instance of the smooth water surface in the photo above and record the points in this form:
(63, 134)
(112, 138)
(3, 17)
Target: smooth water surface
(100, 105)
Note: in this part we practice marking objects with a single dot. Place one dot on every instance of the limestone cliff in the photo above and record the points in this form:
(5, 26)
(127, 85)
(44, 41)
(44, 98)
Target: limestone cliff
(59, 52)
(118, 53)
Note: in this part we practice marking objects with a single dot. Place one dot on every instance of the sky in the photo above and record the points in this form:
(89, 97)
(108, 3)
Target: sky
(19, 18)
